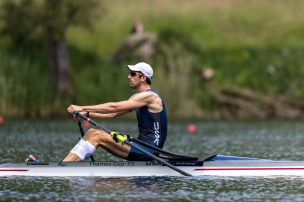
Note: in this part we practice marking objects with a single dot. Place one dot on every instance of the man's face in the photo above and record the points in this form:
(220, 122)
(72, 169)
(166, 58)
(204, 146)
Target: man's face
(134, 79)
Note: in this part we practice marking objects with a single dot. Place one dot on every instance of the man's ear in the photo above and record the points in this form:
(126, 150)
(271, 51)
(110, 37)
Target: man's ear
(143, 78)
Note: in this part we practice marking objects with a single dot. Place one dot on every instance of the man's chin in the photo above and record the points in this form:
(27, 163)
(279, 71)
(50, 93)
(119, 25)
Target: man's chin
(133, 87)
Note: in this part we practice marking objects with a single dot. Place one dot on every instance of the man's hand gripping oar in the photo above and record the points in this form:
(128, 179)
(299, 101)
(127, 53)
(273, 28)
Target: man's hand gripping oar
(120, 138)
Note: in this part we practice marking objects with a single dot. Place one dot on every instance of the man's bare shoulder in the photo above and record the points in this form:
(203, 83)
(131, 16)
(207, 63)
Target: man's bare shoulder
(149, 99)
(133, 96)
(144, 95)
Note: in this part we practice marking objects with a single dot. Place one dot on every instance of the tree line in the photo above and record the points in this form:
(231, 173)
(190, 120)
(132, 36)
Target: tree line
(44, 23)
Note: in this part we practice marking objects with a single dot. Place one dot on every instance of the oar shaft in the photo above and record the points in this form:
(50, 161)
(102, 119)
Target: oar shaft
(82, 134)
(132, 145)
(157, 158)
(92, 122)
(80, 128)
(187, 157)
(160, 151)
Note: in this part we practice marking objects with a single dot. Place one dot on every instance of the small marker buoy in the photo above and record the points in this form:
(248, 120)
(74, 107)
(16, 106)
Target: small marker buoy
(1, 119)
(191, 128)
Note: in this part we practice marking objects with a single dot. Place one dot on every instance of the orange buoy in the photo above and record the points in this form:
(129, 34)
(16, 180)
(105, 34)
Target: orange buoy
(1, 120)
(191, 128)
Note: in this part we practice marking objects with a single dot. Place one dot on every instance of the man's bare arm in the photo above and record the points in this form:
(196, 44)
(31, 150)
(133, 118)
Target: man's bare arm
(107, 116)
(114, 109)
(137, 101)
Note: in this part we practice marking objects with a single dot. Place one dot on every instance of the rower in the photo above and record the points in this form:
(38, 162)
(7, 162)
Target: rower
(151, 117)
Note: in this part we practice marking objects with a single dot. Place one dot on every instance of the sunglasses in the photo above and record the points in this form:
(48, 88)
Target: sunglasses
(132, 73)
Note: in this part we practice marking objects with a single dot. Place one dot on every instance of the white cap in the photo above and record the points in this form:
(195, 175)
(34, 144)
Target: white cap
(144, 68)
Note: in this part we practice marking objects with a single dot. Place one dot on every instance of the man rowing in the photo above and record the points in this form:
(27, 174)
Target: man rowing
(151, 116)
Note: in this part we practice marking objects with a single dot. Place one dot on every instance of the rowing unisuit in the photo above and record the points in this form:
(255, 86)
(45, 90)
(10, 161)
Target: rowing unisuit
(152, 129)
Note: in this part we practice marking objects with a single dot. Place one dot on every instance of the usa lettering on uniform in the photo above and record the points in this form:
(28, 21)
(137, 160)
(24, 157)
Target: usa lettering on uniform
(156, 132)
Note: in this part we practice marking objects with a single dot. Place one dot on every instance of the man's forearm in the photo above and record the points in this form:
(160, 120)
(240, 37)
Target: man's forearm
(106, 116)
(106, 108)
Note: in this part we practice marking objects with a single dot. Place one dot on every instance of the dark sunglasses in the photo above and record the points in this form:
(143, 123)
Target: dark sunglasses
(132, 73)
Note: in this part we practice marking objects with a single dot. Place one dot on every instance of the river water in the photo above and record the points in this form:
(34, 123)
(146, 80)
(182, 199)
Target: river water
(51, 140)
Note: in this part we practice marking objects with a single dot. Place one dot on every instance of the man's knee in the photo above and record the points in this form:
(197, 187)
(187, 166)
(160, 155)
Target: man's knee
(92, 131)
(97, 136)
(83, 149)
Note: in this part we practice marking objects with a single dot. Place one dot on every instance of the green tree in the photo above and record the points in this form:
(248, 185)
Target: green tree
(25, 21)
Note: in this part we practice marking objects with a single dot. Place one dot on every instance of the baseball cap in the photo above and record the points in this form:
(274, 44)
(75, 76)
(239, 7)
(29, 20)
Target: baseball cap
(142, 67)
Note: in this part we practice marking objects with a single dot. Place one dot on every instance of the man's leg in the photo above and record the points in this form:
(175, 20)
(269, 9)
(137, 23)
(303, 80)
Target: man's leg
(93, 139)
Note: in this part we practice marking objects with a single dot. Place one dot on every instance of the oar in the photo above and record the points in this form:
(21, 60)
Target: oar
(158, 150)
(164, 152)
(125, 141)
(82, 134)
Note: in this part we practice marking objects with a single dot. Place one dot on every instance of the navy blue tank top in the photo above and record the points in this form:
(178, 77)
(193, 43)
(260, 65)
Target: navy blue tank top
(152, 126)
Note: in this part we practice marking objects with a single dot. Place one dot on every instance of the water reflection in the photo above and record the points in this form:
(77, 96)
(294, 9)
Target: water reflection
(51, 140)
(152, 188)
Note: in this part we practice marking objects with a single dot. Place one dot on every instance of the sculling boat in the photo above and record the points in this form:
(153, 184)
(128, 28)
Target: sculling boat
(214, 165)
(167, 164)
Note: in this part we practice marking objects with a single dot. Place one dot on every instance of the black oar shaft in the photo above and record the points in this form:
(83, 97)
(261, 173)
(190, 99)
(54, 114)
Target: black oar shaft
(82, 134)
(160, 151)
(157, 158)
(93, 122)
(188, 157)
(133, 145)
(80, 128)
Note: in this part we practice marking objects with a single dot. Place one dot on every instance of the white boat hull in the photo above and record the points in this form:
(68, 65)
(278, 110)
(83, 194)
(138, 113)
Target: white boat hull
(216, 166)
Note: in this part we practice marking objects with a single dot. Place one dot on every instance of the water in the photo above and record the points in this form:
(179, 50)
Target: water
(51, 140)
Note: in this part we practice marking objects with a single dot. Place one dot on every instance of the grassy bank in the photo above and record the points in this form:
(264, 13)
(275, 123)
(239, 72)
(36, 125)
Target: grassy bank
(208, 23)
(252, 44)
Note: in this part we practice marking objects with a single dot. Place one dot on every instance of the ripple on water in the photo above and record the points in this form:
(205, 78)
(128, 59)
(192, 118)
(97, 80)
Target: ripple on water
(152, 188)
(53, 139)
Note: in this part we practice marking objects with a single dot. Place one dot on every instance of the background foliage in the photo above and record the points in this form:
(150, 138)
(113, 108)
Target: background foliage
(251, 44)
